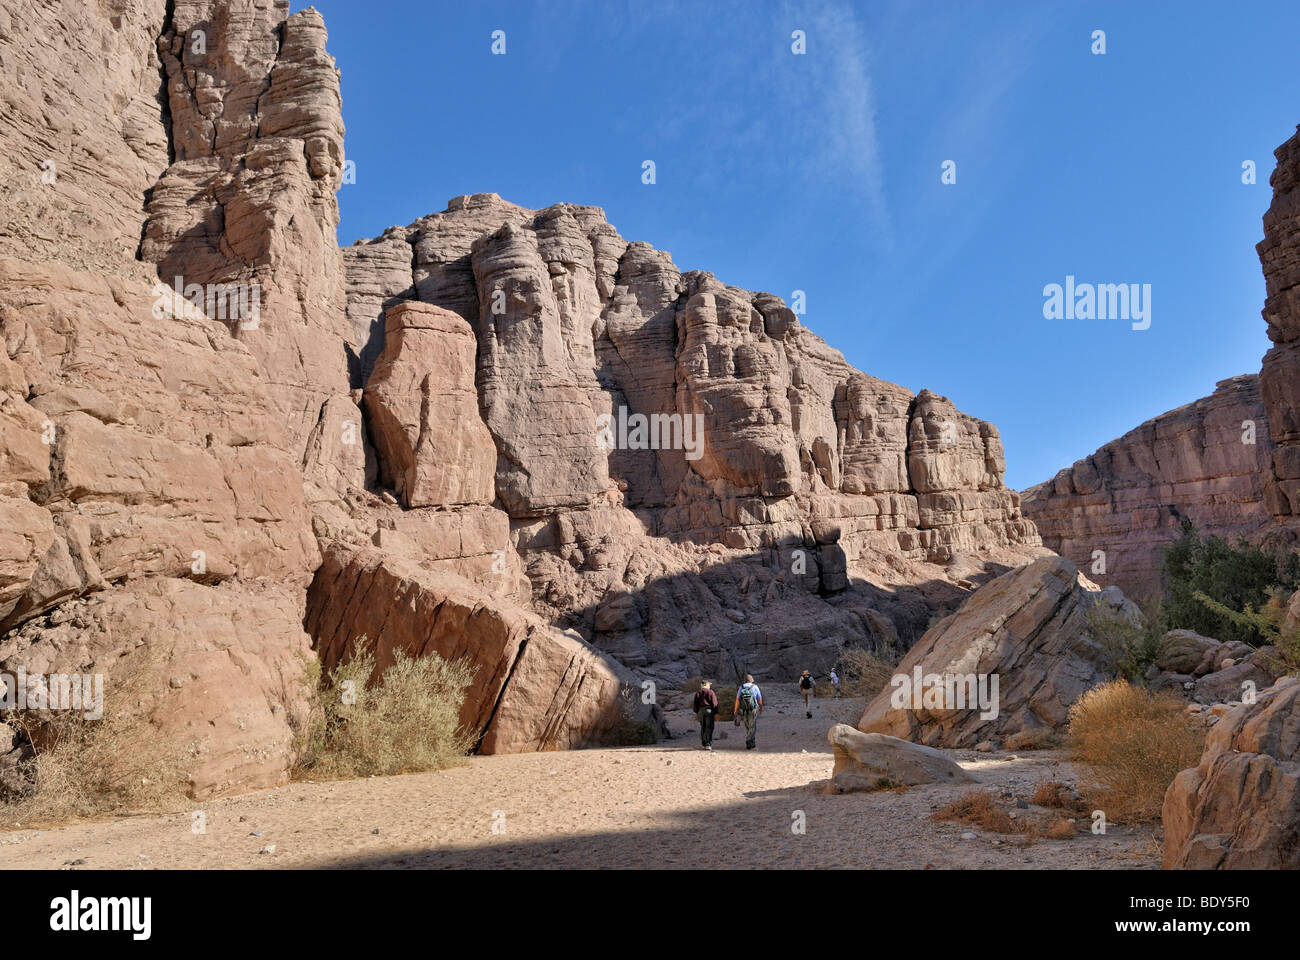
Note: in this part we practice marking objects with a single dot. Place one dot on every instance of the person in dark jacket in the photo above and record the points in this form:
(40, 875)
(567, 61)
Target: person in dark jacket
(705, 706)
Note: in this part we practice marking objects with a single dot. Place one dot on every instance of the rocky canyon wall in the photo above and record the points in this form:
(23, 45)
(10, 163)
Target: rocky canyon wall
(1279, 255)
(1229, 462)
(1113, 512)
(431, 438)
(775, 504)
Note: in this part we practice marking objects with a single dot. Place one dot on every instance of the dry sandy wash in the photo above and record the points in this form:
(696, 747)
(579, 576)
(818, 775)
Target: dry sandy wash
(665, 806)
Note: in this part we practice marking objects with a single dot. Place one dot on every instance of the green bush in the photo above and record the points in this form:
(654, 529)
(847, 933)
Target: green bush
(1133, 644)
(405, 721)
(1236, 578)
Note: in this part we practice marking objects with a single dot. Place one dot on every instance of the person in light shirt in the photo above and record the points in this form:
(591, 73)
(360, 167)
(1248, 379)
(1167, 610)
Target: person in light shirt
(749, 705)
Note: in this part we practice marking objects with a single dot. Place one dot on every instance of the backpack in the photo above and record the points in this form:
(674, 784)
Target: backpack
(805, 683)
(748, 700)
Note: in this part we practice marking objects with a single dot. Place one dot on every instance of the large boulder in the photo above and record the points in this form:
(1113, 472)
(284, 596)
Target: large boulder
(434, 449)
(1028, 633)
(534, 687)
(868, 761)
(1239, 808)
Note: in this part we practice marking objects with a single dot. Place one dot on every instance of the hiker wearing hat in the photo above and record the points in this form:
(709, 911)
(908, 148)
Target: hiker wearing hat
(705, 706)
(749, 704)
(806, 688)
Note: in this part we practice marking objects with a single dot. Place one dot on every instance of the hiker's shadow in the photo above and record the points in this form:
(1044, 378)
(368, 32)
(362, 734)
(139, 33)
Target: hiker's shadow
(818, 787)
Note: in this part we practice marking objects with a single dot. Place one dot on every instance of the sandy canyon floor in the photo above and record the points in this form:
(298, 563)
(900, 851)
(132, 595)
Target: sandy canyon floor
(665, 806)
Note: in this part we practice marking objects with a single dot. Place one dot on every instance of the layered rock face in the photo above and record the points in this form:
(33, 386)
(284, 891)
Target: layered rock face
(152, 501)
(1240, 807)
(1196, 462)
(81, 129)
(248, 202)
(1205, 462)
(1011, 662)
(1279, 255)
(512, 435)
(679, 459)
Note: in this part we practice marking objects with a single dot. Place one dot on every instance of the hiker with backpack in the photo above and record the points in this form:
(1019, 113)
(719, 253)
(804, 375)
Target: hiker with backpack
(705, 706)
(806, 688)
(749, 704)
(835, 682)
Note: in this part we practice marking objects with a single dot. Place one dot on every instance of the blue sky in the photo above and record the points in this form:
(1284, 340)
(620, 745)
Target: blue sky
(822, 172)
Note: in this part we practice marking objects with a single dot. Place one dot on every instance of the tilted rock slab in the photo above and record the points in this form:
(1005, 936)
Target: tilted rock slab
(1029, 629)
(868, 761)
(534, 687)
(1239, 808)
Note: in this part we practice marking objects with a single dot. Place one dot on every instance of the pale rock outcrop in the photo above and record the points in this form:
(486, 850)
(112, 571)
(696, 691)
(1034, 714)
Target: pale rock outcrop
(163, 504)
(869, 761)
(1129, 499)
(1239, 808)
(764, 458)
(1029, 629)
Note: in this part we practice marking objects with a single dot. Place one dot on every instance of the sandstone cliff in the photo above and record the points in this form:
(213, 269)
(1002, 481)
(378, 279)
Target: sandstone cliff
(152, 501)
(731, 547)
(1196, 462)
(1203, 462)
(425, 437)
(1279, 255)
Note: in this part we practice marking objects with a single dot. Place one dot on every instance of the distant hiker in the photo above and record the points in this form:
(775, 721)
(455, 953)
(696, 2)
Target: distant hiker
(806, 688)
(749, 704)
(835, 682)
(705, 706)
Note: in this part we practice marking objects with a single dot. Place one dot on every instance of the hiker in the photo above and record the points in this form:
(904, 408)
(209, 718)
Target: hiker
(806, 688)
(749, 704)
(705, 706)
(835, 682)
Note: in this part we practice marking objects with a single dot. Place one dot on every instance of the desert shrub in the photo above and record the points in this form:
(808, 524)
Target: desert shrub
(632, 733)
(1269, 622)
(1230, 578)
(82, 768)
(1058, 796)
(864, 673)
(1131, 643)
(727, 702)
(1134, 742)
(979, 808)
(1034, 738)
(405, 721)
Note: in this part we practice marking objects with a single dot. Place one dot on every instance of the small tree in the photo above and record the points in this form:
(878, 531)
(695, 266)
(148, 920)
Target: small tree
(1235, 578)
